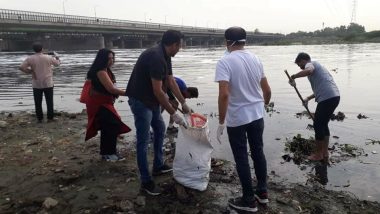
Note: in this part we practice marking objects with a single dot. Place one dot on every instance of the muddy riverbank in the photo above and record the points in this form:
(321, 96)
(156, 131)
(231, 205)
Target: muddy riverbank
(48, 168)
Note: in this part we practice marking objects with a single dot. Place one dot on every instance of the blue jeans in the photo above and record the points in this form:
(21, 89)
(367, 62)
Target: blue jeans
(145, 118)
(238, 141)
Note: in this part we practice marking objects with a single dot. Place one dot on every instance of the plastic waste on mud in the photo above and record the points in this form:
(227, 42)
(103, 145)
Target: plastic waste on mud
(340, 116)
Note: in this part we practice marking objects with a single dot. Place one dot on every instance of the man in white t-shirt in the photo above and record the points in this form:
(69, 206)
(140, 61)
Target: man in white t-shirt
(243, 92)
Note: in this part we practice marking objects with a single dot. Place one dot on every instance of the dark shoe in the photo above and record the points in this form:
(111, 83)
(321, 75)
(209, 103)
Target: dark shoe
(239, 204)
(262, 198)
(150, 188)
(172, 130)
(162, 170)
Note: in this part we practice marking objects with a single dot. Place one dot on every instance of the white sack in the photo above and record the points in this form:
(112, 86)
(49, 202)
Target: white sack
(192, 161)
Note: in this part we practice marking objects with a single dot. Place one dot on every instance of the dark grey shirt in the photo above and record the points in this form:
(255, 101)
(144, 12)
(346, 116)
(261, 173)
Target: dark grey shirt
(322, 83)
(153, 63)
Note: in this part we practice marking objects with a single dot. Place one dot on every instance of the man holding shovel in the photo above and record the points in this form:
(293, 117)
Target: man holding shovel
(327, 96)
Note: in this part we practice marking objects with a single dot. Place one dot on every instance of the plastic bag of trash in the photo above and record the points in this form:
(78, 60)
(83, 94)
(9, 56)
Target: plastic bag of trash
(192, 161)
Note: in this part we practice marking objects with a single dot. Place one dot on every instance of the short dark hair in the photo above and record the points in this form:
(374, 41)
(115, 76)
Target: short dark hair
(37, 47)
(171, 36)
(235, 35)
(302, 56)
(193, 92)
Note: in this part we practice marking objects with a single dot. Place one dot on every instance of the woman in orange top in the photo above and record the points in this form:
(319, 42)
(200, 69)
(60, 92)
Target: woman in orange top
(101, 113)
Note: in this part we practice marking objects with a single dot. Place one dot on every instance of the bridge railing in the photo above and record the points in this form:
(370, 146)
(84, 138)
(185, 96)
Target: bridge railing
(28, 16)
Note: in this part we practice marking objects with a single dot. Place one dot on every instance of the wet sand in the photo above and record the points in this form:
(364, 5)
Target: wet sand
(48, 168)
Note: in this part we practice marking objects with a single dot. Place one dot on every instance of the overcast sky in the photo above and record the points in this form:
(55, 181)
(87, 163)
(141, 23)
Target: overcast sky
(276, 16)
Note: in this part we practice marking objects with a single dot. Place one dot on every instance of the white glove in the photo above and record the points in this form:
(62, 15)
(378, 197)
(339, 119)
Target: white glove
(179, 120)
(292, 82)
(186, 109)
(219, 132)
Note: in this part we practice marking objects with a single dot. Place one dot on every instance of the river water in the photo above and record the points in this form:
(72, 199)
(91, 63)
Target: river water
(355, 69)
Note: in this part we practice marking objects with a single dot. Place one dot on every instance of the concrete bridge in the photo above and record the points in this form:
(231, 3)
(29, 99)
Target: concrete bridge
(19, 29)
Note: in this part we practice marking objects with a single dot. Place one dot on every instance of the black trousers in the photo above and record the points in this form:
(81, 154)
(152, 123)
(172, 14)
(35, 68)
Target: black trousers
(238, 136)
(37, 94)
(109, 130)
(323, 113)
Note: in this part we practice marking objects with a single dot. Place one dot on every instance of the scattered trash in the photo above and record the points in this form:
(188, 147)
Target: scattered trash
(3, 124)
(373, 142)
(367, 162)
(303, 114)
(49, 203)
(340, 116)
(350, 150)
(374, 152)
(309, 127)
(361, 116)
(298, 148)
(216, 163)
(348, 184)
(270, 108)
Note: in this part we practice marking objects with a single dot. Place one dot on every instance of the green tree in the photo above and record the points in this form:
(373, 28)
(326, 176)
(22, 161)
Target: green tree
(354, 28)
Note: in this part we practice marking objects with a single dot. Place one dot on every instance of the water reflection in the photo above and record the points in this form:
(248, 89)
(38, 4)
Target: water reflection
(321, 172)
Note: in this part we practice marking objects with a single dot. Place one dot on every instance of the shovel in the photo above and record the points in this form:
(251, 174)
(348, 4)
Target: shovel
(299, 95)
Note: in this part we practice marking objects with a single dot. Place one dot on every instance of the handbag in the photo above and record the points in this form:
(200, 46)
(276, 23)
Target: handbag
(85, 94)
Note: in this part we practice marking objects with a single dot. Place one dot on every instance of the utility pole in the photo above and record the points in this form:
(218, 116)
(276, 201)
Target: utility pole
(353, 15)
(95, 12)
(145, 19)
(64, 10)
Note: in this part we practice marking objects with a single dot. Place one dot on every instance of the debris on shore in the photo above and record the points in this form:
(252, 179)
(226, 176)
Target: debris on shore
(304, 114)
(298, 148)
(361, 116)
(340, 116)
(48, 168)
(270, 109)
(373, 142)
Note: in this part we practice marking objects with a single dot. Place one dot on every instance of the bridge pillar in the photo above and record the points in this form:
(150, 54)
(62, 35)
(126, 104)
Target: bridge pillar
(140, 43)
(206, 43)
(108, 43)
(122, 43)
(188, 42)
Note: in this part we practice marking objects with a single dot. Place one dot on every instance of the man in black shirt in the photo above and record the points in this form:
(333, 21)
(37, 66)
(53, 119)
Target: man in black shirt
(146, 89)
